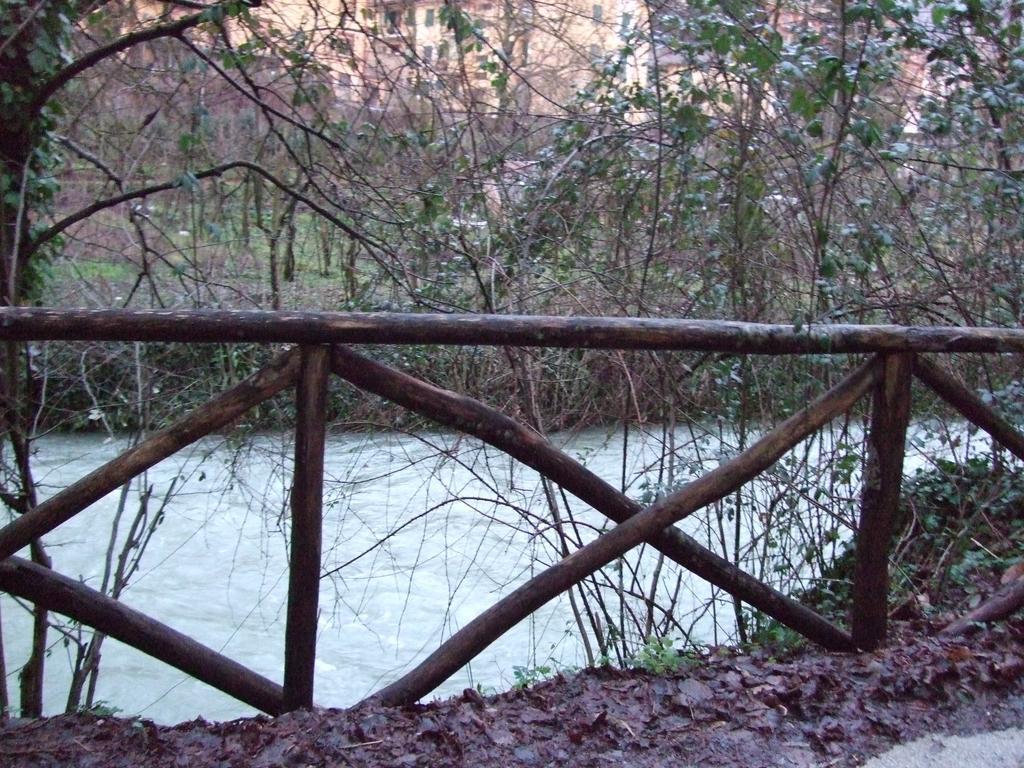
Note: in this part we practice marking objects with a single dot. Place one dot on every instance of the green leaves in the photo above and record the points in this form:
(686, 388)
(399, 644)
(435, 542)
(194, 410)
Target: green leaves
(940, 12)
(867, 131)
(659, 656)
(763, 52)
(187, 181)
(460, 23)
(821, 169)
(188, 141)
(803, 104)
(215, 14)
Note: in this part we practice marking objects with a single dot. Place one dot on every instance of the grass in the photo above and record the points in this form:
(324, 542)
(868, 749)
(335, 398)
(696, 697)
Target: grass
(112, 271)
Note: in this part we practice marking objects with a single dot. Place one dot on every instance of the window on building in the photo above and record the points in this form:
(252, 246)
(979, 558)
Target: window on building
(598, 13)
(428, 53)
(595, 52)
(392, 20)
(526, 51)
(410, 17)
(428, 18)
(442, 50)
(627, 23)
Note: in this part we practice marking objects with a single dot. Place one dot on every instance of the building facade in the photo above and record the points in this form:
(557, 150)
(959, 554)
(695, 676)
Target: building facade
(523, 54)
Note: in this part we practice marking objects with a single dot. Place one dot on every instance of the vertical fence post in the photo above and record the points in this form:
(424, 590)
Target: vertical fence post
(883, 473)
(307, 499)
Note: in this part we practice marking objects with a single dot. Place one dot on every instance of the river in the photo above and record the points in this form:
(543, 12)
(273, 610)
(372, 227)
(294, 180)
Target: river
(421, 533)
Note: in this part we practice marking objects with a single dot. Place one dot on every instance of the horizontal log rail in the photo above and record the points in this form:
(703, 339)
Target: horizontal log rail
(305, 368)
(221, 326)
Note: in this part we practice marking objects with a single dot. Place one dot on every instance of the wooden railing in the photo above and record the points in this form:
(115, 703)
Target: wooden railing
(319, 338)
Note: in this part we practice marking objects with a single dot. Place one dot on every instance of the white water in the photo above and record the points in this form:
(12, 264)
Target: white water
(217, 567)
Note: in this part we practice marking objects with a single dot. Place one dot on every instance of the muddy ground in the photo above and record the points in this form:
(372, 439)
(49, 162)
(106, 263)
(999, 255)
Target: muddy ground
(739, 710)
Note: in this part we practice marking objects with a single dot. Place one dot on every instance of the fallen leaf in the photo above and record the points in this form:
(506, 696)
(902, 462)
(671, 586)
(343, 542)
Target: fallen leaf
(1014, 572)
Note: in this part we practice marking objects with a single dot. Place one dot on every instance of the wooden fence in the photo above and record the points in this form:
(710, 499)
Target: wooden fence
(893, 359)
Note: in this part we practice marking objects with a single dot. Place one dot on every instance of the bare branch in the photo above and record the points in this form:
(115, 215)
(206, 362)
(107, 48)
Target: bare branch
(48, 234)
(94, 57)
(89, 157)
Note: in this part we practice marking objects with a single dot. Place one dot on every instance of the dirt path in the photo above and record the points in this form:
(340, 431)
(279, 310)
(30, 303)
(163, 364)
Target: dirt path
(998, 749)
(749, 711)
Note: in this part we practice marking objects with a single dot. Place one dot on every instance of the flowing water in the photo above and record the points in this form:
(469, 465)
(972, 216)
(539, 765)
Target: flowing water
(421, 534)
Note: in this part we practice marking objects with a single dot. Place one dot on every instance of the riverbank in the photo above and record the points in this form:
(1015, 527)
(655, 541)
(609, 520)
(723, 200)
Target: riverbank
(755, 710)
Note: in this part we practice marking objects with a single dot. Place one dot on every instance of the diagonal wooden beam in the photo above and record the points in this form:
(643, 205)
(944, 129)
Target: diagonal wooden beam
(213, 415)
(1006, 601)
(969, 405)
(475, 636)
(495, 428)
(81, 603)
